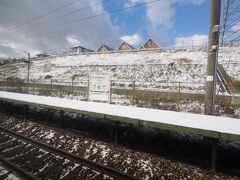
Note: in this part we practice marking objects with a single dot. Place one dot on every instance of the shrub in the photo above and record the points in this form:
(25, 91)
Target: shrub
(48, 77)
(237, 86)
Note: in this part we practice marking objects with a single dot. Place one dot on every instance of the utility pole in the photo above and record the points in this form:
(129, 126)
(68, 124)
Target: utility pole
(28, 73)
(213, 44)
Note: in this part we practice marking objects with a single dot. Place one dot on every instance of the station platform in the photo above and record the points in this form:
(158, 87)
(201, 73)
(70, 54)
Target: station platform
(208, 126)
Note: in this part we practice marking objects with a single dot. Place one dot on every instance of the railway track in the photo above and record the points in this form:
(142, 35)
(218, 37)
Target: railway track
(31, 159)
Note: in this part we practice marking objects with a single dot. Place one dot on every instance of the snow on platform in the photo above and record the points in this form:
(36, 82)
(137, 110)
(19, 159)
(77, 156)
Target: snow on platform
(209, 126)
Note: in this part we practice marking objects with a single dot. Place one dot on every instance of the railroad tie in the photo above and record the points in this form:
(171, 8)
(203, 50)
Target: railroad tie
(72, 174)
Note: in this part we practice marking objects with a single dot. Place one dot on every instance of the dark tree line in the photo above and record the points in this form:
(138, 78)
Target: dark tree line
(4, 61)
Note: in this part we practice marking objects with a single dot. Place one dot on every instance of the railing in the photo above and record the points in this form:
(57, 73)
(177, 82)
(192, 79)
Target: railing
(176, 96)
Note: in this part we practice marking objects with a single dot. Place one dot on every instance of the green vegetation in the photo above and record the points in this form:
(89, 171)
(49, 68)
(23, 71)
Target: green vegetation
(236, 105)
(75, 76)
(48, 77)
(237, 86)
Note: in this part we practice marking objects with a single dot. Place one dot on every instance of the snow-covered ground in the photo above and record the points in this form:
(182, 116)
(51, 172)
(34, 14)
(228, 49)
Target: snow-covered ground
(171, 65)
(203, 122)
(150, 70)
(230, 59)
(145, 67)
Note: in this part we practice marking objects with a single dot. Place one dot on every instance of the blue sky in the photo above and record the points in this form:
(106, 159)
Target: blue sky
(191, 17)
(169, 22)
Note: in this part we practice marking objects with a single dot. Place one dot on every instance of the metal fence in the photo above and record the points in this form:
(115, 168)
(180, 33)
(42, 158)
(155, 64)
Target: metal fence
(175, 96)
(177, 45)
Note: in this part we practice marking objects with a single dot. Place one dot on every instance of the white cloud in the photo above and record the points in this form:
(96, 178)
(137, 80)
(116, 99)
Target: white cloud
(91, 33)
(158, 13)
(195, 2)
(132, 40)
(194, 40)
(161, 15)
(132, 2)
(48, 37)
(235, 28)
(73, 41)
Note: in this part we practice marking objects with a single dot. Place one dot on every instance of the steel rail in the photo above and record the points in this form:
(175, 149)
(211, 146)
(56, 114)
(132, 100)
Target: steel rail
(84, 162)
(19, 171)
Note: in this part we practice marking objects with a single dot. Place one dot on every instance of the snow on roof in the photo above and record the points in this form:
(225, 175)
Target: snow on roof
(196, 121)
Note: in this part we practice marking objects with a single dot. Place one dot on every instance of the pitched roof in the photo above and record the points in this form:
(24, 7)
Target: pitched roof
(76, 47)
(42, 55)
(154, 43)
(107, 48)
(82, 48)
(128, 45)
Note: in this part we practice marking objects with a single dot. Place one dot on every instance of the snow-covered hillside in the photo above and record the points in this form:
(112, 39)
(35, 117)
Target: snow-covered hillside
(229, 57)
(146, 66)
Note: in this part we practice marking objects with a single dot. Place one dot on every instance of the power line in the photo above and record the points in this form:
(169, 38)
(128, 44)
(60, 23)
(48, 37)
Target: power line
(80, 9)
(58, 17)
(97, 15)
(225, 18)
(236, 9)
(230, 43)
(231, 22)
(234, 22)
(39, 17)
(233, 33)
(111, 12)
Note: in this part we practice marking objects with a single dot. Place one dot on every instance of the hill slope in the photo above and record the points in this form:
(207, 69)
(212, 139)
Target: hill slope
(187, 66)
